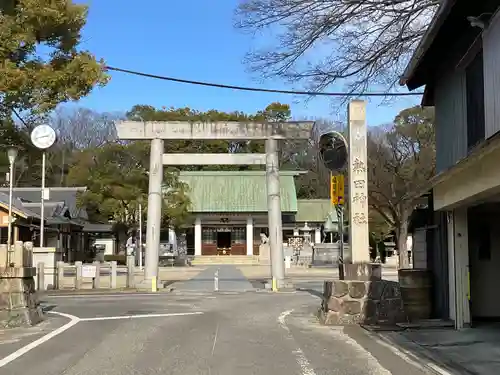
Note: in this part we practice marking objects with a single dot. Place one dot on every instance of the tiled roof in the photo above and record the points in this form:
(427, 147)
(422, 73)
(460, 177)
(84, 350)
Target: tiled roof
(314, 210)
(67, 195)
(17, 206)
(236, 191)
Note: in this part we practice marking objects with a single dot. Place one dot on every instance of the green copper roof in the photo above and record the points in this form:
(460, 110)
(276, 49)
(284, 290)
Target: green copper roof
(236, 191)
(313, 210)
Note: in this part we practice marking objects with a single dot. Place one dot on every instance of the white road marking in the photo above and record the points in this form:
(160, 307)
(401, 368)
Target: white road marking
(215, 338)
(73, 321)
(25, 349)
(139, 316)
(122, 295)
(300, 357)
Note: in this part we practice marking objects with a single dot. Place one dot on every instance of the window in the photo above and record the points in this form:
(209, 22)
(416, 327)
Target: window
(238, 236)
(208, 236)
(474, 78)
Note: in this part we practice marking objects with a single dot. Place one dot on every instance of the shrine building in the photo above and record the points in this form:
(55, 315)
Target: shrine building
(229, 211)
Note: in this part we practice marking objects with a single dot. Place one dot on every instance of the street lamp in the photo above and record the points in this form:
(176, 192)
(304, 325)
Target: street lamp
(12, 155)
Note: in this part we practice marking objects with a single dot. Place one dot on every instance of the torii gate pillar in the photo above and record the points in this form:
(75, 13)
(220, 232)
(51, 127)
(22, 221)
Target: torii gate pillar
(155, 198)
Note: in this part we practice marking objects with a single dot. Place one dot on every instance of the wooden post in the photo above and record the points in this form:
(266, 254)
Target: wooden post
(130, 271)
(40, 276)
(78, 275)
(96, 283)
(60, 275)
(113, 275)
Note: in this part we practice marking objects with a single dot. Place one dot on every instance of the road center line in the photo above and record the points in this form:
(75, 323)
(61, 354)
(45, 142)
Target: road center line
(25, 349)
(139, 316)
(300, 357)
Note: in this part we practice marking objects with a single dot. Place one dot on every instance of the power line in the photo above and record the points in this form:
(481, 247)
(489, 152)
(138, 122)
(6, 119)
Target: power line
(256, 89)
(19, 117)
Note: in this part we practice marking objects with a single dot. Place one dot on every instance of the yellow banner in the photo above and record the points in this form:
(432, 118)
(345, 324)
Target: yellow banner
(337, 189)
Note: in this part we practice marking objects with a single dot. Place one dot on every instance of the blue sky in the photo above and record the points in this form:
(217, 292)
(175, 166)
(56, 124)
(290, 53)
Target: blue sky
(191, 39)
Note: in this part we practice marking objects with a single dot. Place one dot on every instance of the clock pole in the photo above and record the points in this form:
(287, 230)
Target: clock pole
(42, 207)
(43, 137)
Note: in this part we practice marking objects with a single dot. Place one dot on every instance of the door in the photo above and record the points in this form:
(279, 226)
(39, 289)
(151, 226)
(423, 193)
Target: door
(484, 241)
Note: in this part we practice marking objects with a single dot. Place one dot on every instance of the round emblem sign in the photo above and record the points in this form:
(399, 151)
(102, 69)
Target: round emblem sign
(333, 151)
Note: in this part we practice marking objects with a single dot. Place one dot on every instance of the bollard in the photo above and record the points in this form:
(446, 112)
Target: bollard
(216, 281)
(96, 281)
(113, 275)
(40, 276)
(130, 271)
(60, 275)
(78, 275)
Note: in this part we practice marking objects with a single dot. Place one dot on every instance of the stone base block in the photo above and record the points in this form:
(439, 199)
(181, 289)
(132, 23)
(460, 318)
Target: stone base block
(19, 305)
(360, 271)
(147, 285)
(348, 302)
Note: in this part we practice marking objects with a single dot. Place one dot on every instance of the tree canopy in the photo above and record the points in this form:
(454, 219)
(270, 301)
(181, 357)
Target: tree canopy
(116, 176)
(40, 62)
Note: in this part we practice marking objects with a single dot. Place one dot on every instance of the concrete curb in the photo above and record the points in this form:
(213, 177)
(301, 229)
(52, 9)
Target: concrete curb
(420, 355)
(92, 292)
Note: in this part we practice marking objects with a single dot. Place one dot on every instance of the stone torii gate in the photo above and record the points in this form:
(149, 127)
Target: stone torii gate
(158, 132)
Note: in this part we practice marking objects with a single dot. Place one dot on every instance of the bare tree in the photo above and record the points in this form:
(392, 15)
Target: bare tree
(401, 159)
(82, 128)
(354, 43)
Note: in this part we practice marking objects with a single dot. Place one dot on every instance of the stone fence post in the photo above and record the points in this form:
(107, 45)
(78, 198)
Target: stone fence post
(78, 275)
(18, 254)
(3, 255)
(113, 275)
(40, 276)
(96, 283)
(130, 271)
(60, 275)
(28, 254)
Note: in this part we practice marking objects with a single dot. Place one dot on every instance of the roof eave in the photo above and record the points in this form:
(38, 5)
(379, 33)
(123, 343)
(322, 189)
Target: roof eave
(426, 41)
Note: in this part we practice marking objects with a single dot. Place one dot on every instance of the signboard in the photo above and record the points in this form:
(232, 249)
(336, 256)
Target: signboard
(337, 189)
(89, 271)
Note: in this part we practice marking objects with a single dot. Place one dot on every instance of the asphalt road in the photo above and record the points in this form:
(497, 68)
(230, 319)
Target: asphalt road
(190, 333)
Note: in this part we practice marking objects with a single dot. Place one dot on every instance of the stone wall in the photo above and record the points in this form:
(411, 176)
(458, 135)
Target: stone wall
(347, 302)
(19, 305)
